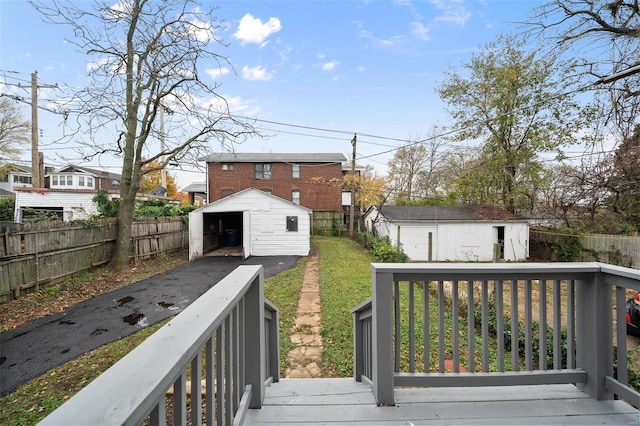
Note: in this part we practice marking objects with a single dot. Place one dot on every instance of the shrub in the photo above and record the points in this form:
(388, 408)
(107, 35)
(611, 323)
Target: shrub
(7, 207)
(567, 246)
(381, 248)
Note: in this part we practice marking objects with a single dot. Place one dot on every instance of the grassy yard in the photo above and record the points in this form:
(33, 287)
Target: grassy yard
(345, 281)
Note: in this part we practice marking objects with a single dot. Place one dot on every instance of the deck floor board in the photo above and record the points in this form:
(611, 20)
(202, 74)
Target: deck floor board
(344, 401)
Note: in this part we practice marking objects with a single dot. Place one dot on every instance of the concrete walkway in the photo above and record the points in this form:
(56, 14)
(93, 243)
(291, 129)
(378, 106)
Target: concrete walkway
(304, 360)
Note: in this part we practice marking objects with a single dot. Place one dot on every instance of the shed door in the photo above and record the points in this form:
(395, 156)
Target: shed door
(246, 234)
(419, 242)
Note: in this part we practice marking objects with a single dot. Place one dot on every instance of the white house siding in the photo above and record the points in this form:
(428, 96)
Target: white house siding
(460, 241)
(267, 227)
(75, 205)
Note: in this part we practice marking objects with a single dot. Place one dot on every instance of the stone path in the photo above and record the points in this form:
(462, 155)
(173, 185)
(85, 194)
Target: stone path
(305, 358)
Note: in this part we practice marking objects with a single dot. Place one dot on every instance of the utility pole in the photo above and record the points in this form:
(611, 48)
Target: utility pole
(37, 180)
(353, 184)
(163, 171)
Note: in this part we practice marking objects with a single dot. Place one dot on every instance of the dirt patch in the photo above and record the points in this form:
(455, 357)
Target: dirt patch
(50, 300)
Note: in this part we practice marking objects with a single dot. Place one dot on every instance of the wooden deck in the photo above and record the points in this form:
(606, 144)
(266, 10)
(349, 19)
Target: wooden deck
(344, 401)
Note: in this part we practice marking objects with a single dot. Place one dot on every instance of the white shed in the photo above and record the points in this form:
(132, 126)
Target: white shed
(258, 223)
(452, 233)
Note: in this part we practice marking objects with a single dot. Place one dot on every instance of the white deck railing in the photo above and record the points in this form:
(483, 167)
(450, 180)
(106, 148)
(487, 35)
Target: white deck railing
(231, 327)
(565, 309)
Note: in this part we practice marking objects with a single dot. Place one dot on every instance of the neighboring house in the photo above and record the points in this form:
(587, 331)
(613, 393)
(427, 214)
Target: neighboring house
(78, 177)
(66, 204)
(197, 193)
(452, 233)
(311, 180)
(17, 177)
(261, 224)
(68, 193)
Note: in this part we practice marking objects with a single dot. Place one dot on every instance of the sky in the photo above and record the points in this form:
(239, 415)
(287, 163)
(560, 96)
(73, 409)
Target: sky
(298, 67)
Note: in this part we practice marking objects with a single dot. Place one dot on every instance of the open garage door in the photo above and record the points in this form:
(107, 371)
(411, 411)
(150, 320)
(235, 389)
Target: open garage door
(222, 233)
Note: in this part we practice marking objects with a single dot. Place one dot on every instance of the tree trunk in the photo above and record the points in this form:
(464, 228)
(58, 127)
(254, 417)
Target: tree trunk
(120, 259)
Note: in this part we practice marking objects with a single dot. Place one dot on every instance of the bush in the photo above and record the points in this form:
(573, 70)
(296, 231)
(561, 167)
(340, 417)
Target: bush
(7, 208)
(567, 246)
(381, 248)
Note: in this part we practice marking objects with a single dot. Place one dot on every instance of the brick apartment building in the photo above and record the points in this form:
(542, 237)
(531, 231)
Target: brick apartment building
(312, 180)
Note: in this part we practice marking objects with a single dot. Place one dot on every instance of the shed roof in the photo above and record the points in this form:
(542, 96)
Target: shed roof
(262, 157)
(245, 192)
(451, 213)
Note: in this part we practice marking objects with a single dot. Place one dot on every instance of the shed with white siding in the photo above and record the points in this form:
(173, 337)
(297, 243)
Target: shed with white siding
(452, 233)
(259, 223)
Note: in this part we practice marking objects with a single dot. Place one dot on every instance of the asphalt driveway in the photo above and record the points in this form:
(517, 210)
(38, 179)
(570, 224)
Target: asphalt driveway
(31, 350)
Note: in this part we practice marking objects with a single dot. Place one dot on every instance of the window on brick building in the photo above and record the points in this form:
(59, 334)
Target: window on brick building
(262, 170)
(292, 223)
(295, 196)
(227, 166)
(295, 171)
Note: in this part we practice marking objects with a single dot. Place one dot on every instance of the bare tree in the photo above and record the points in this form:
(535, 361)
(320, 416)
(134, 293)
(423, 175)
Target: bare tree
(14, 131)
(146, 62)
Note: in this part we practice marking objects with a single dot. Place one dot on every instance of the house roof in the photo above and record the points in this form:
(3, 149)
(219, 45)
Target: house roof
(449, 213)
(195, 187)
(95, 172)
(5, 193)
(262, 157)
(13, 168)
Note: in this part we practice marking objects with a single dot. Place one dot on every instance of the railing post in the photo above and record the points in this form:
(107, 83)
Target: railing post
(594, 336)
(254, 338)
(382, 337)
(358, 348)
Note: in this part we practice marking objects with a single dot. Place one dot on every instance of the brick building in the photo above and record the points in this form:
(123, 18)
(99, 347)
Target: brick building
(312, 180)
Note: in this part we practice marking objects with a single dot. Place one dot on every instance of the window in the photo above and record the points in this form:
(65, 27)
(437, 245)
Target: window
(227, 166)
(295, 171)
(80, 180)
(262, 171)
(54, 180)
(295, 196)
(62, 180)
(226, 193)
(89, 182)
(21, 179)
(69, 180)
(292, 223)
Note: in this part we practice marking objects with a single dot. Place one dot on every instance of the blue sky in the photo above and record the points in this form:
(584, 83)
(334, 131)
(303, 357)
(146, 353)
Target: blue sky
(369, 67)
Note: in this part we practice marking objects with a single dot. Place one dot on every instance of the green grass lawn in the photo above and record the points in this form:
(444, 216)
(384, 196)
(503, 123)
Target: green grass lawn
(345, 282)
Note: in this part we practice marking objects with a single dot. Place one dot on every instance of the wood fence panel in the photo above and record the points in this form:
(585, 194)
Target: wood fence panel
(613, 249)
(48, 253)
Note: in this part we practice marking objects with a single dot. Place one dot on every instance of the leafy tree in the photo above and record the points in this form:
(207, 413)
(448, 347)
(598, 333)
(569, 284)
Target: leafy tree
(152, 178)
(147, 58)
(508, 98)
(370, 188)
(14, 131)
(625, 181)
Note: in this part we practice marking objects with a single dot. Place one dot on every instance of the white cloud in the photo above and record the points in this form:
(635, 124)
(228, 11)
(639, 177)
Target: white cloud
(362, 69)
(253, 30)
(453, 11)
(201, 31)
(420, 31)
(256, 73)
(216, 73)
(382, 42)
(330, 66)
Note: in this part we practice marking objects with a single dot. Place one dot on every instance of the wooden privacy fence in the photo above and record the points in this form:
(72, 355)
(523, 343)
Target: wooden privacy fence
(612, 249)
(50, 252)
